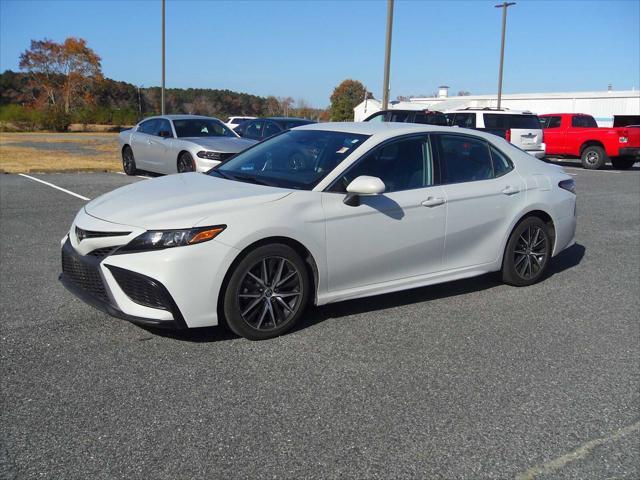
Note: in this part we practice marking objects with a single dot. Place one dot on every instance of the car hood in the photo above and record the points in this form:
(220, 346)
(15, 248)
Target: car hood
(178, 201)
(221, 144)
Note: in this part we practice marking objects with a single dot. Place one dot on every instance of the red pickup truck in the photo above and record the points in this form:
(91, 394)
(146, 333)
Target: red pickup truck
(577, 135)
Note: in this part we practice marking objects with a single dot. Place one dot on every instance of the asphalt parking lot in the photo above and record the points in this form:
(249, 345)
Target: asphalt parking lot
(470, 379)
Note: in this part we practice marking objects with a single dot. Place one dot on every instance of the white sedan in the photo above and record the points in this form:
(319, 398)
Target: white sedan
(178, 143)
(318, 214)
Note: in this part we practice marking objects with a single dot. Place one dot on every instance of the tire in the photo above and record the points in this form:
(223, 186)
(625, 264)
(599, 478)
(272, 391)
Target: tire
(623, 163)
(186, 163)
(593, 157)
(128, 161)
(527, 254)
(267, 292)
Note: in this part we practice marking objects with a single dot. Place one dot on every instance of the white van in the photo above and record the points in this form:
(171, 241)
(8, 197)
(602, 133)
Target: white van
(522, 128)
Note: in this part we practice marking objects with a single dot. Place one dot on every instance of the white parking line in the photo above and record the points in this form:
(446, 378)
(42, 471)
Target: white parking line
(54, 186)
(139, 176)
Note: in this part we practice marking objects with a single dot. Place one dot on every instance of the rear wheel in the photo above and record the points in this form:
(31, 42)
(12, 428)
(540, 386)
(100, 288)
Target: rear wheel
(186, 163)
(267, 292)
(623, 163)
(527, 254)
(128, 161)
(593, 157)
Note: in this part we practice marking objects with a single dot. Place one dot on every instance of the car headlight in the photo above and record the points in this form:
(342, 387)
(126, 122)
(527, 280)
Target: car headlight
(208, 155)
(159, 239)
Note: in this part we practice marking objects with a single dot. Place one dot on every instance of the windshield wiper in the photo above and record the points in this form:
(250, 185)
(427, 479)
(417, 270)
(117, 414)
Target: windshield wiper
(244, 178)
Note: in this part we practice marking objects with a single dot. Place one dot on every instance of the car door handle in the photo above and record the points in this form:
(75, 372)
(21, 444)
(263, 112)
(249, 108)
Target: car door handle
(510, 190)
(433, 202)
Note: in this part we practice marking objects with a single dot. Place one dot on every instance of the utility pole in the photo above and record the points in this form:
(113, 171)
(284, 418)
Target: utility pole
(387, 56)
(163, 64)
(504, 7)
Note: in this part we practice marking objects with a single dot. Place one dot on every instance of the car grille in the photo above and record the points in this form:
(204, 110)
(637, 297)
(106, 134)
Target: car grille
(82, 234)
(84, 276)
(141, 289)
(220, 156)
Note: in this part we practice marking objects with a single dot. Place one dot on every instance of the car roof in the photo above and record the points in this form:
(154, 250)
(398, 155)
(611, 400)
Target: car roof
(289, 119)
(180, 117)
(491, 110)
(388, 129)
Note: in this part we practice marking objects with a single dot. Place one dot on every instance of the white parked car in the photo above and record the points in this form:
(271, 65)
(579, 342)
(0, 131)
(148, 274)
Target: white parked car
(178, 143)
(523, 129)
(318, 214)
(233, 122)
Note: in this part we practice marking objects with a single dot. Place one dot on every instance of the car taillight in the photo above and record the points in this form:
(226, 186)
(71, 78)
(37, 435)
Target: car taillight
(507, 135)
(569, 185)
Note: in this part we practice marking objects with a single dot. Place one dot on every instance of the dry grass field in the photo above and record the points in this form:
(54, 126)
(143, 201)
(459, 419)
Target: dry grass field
(59, 152)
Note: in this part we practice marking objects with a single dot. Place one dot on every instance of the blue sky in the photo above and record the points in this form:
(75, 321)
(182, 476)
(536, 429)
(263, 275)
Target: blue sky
(303, 49)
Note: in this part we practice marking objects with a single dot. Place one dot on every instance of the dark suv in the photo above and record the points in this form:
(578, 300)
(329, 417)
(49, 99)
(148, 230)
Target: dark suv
(430, 117)
(262, 128)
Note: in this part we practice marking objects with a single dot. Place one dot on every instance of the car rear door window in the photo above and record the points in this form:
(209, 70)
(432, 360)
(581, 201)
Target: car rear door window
(402, 165)
(398, 116)
(463, 159)
(501, 163)
(431, 118)
(583, 121)
(464, 120)
(495, 121)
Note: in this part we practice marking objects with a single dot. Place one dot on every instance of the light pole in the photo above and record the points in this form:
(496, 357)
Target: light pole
(387, 56)
(163, 64)
(504, 7)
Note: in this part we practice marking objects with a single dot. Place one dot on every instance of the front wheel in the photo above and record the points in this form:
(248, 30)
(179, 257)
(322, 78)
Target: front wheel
(623, 163)
(593, 157)
(527, 254)
(186, 163)
(128, 161)
(267, 292)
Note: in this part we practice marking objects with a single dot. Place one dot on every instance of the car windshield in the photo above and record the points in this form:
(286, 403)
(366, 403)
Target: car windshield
(295, 159)
(201, 127)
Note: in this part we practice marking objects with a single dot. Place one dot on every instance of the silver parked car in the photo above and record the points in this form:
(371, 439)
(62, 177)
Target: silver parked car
(178, 143)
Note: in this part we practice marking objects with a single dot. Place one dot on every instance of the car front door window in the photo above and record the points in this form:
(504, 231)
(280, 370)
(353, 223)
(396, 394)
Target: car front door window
(271, 129)
(401, 165)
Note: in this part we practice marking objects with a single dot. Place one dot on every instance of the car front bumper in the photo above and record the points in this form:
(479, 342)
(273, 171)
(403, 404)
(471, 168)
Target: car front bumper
(631, 152)
(171, 288)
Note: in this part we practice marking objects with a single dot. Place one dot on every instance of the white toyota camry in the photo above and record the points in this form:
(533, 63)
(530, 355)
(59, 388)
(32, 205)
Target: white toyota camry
(318, 214)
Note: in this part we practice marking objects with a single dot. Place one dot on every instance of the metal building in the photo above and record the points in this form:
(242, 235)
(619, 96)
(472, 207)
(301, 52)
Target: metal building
(603, 106)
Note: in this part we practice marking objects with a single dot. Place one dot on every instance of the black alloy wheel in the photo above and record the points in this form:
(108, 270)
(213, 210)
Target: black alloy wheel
(128, 161)
(186, 163)
(267, 292)
(528, 252)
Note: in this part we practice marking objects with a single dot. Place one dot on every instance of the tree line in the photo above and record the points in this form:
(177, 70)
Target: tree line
(62, 83)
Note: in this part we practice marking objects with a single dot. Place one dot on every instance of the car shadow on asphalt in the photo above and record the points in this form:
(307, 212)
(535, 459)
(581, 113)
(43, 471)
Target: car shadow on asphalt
(566, 260)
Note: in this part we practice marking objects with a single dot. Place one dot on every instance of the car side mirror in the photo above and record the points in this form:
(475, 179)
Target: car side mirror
(165, 134)
(363, 185)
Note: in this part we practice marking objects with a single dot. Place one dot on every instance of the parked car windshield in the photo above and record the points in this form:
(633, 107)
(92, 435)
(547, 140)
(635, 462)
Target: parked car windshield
(201, 127)
(294, 159)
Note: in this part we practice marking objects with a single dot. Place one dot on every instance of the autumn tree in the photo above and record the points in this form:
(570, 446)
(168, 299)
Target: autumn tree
(344, 99)
(62, 73)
